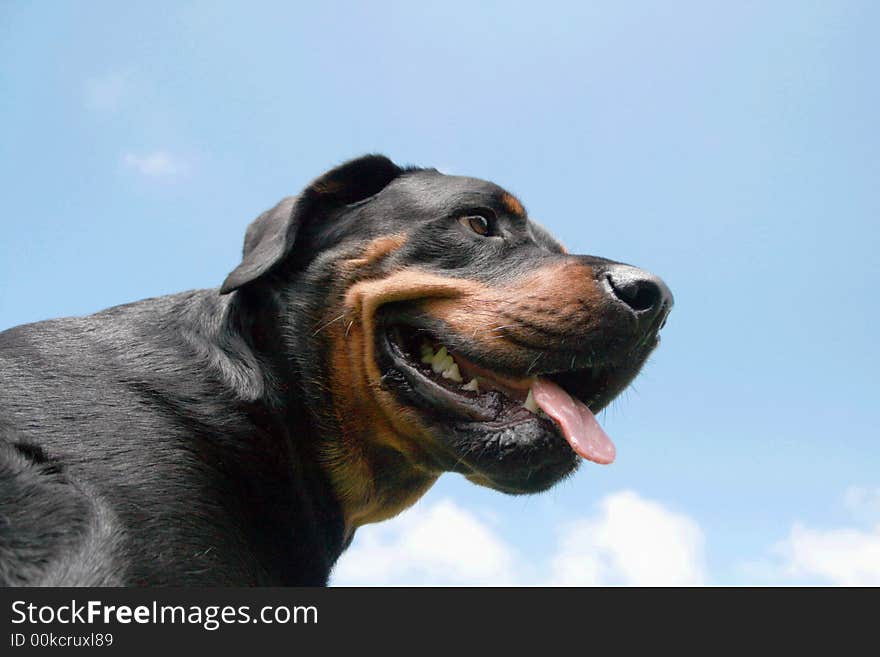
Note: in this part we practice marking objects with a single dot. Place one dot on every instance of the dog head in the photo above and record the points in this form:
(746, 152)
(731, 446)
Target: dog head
(430, 326)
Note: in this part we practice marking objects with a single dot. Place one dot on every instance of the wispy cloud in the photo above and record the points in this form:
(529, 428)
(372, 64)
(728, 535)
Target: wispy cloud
(159, 164)
(629, 540)
(863, 503)
(107, 93)
(844, 556)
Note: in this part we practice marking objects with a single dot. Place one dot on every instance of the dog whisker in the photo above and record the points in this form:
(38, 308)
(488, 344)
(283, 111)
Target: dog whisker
(328, 324)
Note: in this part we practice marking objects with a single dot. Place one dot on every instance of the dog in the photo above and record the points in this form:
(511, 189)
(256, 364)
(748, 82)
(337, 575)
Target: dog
(385, 326)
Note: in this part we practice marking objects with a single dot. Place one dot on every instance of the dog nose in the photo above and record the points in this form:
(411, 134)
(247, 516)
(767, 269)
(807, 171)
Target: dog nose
(646, 295)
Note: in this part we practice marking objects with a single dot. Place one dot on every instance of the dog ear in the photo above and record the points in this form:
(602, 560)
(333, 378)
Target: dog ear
(271, 236)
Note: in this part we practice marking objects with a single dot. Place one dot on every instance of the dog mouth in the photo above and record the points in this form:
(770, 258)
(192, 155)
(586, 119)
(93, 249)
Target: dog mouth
(525, 426)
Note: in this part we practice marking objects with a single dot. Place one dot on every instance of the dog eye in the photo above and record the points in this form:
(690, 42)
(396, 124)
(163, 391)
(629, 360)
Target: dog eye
(477, 223)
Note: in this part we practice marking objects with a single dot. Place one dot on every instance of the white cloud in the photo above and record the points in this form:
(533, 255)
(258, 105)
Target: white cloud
(844, 556)
(107, 93)
(863, 502)
(438, 544)
(630, 540)
(155, 165)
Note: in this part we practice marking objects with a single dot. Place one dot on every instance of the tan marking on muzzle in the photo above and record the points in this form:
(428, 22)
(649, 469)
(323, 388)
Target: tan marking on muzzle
(553, 296)
(370, 416)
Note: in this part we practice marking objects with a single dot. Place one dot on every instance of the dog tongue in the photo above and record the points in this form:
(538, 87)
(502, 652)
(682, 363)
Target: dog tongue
(578, 424)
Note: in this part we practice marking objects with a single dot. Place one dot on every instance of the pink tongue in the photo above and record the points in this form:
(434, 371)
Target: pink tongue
(578, 424)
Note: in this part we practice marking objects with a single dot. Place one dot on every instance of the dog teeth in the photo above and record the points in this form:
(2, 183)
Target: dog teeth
(530, 404)
(444, 364)
(441, 362)
(452, 373)
(473, 386)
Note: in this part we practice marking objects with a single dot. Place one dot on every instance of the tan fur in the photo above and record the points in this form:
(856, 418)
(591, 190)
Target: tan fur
(370, 418)
(377, 250)
(513, 205)
(552, 297)
(369, 415)
(373, 423)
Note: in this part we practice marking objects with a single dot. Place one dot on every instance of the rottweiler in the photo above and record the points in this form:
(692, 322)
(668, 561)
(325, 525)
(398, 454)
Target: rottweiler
(385, 326)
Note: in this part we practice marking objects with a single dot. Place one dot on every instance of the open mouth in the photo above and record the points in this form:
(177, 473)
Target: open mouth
(468, 390)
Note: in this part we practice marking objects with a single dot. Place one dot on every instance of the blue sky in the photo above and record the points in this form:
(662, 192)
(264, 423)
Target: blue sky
(731, 148)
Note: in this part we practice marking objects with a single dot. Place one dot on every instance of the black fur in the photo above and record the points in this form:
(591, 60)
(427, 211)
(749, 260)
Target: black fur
(175, 441)
(174, 457)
